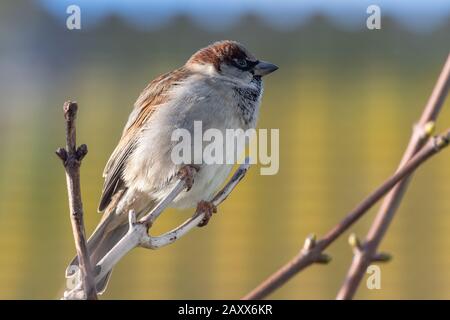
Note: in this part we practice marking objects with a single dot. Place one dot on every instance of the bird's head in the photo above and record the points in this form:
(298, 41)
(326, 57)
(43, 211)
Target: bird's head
(230, 59)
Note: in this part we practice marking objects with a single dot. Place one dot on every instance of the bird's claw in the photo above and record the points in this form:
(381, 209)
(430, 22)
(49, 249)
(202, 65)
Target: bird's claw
(207, 208)
(187, 173)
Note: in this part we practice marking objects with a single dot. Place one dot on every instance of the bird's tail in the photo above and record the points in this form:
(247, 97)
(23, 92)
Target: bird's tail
(99, 244)
(111, 229)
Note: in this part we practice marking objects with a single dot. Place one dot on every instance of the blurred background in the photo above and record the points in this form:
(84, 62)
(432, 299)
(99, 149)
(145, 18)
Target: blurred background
(344, 99)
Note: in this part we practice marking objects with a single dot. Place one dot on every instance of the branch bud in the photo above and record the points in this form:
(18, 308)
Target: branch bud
(354, 243)
(429, 128)
(310, 242)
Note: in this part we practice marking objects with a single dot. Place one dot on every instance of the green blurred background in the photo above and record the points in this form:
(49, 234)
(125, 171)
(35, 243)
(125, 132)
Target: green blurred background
(344, 100)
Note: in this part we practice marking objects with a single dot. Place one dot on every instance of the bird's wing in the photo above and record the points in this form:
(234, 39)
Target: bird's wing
(153, 96)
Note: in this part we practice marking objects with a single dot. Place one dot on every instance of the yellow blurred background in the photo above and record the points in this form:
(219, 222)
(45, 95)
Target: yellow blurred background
(343, 99)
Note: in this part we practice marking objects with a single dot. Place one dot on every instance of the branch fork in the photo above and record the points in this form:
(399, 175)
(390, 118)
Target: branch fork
(138, 232)
(358, 249)
(420, 149)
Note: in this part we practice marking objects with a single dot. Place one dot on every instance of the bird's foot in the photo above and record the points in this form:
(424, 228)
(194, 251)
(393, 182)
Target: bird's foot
(207, 208)
(187, 174)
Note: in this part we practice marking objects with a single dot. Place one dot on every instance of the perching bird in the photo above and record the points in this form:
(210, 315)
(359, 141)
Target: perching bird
(219, 85)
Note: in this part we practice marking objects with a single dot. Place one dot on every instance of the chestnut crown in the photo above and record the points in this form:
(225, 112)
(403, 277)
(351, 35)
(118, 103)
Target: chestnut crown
(231, 54)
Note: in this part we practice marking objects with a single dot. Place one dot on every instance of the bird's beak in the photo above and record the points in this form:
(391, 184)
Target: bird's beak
(263, 68)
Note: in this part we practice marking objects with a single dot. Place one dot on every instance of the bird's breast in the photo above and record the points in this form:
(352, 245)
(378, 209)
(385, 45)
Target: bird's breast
(214, 106)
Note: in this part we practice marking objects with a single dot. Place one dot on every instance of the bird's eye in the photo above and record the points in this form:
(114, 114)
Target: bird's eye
(241, 63)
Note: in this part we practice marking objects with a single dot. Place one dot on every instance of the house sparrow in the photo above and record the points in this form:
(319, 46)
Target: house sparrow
(219, 85)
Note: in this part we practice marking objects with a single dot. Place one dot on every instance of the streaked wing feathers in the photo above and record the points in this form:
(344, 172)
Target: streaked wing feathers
(154, 95)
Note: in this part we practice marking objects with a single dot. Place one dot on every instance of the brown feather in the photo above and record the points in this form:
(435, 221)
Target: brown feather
(219, 52)
(153, 96)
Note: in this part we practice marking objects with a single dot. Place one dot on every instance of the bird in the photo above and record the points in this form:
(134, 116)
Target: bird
(219, 85)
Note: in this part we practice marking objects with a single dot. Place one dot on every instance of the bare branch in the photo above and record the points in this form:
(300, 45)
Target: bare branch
(71, 157)
(421, 133)
(312, 251)
(137, 234)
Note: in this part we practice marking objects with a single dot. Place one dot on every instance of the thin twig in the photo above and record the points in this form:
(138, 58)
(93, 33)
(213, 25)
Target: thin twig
(367, 253)
(71, 157)
(312, 251)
